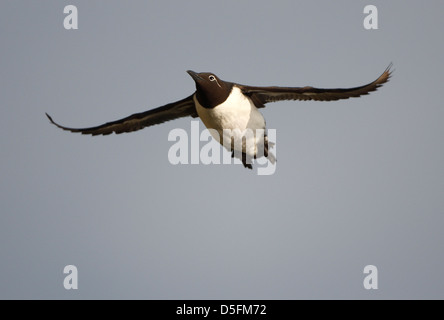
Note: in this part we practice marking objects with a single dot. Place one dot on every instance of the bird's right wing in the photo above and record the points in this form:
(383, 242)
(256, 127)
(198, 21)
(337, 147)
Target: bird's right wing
(137, 121)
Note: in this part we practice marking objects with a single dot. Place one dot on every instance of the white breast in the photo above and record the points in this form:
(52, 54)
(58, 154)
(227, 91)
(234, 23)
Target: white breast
(237, 112)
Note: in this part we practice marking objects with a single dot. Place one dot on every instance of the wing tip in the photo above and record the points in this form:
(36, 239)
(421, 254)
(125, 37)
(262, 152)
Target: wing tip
(384, 77)
(62, 127)
(388, 72)
(54, 123)
(50, 118)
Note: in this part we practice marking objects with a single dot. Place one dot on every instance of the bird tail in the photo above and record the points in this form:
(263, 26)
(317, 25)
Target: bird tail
(267, 153)
(271, 157)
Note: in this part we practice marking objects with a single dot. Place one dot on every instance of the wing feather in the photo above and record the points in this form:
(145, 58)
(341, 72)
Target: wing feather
(272, 94)
(137, 121)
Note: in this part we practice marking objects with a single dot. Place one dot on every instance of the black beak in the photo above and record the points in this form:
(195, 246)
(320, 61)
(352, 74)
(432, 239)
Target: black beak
(194, 75)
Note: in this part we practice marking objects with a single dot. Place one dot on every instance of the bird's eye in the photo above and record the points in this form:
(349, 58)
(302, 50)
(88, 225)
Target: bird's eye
(212, 78)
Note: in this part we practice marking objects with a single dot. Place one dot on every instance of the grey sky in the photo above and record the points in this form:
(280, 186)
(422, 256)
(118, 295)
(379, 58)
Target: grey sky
(358, 181)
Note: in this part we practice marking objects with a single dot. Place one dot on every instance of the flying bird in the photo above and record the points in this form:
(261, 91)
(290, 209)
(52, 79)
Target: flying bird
(229, 107)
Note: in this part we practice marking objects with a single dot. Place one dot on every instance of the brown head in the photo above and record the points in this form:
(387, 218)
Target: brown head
(210, 90)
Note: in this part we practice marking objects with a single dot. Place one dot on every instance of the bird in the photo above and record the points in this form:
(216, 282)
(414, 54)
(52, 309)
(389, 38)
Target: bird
(231, 107)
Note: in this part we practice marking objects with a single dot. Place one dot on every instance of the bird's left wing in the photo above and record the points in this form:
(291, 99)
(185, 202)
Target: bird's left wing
(272, 94)
(137, 121)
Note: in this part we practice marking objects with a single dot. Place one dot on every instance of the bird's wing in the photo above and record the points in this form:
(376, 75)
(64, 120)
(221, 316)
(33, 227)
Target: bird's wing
(137, 121)
(272, 94)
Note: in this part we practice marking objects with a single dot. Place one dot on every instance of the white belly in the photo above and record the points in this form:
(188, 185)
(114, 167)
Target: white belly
(239, 115)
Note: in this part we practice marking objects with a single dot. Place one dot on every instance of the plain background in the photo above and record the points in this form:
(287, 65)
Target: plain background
(357, 182)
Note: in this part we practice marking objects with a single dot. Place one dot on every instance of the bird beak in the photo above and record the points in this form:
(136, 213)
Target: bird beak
(194, 75)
